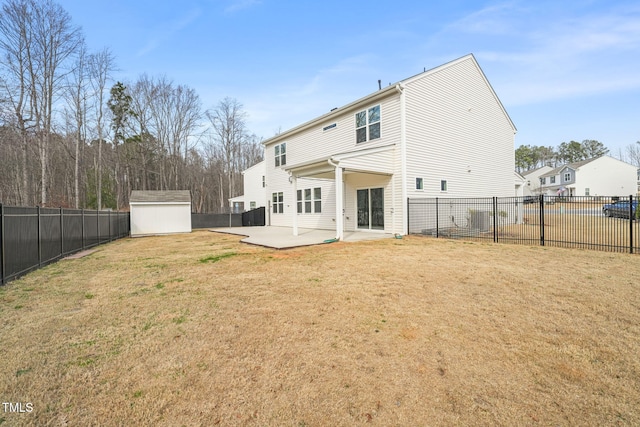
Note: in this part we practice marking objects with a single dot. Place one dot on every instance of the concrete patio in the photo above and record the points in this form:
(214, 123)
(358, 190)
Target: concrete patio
(283, 238)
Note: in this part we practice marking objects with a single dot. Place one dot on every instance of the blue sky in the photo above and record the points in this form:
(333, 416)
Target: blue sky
(564, 70)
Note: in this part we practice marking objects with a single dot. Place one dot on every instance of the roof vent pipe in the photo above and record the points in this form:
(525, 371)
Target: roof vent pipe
(379, 84)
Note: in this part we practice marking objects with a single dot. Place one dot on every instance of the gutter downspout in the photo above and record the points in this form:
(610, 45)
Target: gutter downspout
(403, 156)
(294, 181)
(339, 200)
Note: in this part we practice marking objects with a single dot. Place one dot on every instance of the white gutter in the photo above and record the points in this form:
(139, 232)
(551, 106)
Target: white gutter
(339, 200)
(403, 156)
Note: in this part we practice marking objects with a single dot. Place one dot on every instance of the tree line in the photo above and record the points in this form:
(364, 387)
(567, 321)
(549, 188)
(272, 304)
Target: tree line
(71, 136)
(530, 157)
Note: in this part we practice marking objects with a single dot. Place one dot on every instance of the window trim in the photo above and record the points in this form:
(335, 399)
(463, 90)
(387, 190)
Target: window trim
(444, 186)
(307, 202)
(419, 183)
(367, 125)
(280, 154)
(277, 202)
(565, 176)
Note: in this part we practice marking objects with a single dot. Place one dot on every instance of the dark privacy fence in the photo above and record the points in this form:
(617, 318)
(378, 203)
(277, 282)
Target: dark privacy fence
(215, 220)
(31, 237)
(253, 217)
(600, 223)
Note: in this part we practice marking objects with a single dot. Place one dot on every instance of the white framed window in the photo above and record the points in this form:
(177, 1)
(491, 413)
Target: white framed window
(264, 182)
(586, 192)
(419, 184)
(368, 124)
(443, 185)
(281, 154)
(552, 179)
(309, 200)
(277, 201)
(252, 205)
(567, 176)
(543, 181)
(317, 200)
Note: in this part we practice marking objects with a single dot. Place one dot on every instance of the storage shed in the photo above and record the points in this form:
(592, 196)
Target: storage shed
(160, 212)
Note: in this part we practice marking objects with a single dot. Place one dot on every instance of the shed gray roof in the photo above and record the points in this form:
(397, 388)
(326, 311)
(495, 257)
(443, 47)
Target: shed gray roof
(169, 196)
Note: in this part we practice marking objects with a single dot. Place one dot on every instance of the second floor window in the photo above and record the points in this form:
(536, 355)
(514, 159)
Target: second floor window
(567, 176)
(368, 124)
(543, 181)
(281, 154)
(552, 179)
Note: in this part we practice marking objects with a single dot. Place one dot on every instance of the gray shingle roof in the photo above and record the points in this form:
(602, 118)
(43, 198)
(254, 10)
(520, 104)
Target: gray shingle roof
(573, 166)
(169, 196)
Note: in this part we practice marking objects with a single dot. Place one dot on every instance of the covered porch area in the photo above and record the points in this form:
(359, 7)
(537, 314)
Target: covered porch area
(362, 194)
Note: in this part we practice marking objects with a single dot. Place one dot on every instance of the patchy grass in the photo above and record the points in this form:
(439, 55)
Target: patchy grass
(216, 258)
(391, 332)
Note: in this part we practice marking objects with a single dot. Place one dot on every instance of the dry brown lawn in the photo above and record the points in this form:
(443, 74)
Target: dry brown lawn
(200, 329)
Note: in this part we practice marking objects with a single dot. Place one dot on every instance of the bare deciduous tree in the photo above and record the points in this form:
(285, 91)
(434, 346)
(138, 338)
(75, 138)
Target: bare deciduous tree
(37, 38)
(228, 121)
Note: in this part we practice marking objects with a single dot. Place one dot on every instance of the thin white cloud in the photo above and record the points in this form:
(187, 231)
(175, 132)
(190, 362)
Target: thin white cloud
(563, 58)
(300, 102)
(169, 31)
(237, 5)
(494, 19)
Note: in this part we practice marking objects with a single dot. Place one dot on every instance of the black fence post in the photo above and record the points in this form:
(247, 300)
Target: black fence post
(61, 232)
(82, 228)
(98, 225)
(2, 261)
(495, 219)
(408, 217)
(39, 240)
(437, 220)
(631, 223)
(542, 220)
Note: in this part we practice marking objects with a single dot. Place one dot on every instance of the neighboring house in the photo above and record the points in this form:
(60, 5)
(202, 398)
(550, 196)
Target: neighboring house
(160, 212)
(442, 133)
(600, 176)
(520, 184)
(255, 194)
(532, 186)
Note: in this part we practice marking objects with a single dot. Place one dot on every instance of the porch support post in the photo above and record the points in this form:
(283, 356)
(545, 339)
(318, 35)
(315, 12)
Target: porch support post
(294, 211)
(339, 204)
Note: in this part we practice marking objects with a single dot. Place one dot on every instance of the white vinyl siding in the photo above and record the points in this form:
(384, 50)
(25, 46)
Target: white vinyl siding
(606, 176)
(254, 188)
(456, 128)
(160, 218)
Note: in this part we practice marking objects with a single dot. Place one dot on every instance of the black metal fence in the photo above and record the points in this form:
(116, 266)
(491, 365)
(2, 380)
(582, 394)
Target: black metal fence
(600, 223)
(31, 237)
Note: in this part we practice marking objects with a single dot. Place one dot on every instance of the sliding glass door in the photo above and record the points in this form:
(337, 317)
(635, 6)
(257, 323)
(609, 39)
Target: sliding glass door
(371, 209)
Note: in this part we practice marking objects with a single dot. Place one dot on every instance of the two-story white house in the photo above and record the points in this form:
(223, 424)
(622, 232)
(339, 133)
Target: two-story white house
(600, 176)
(254, 184)
(533, 186)
(441, 133)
